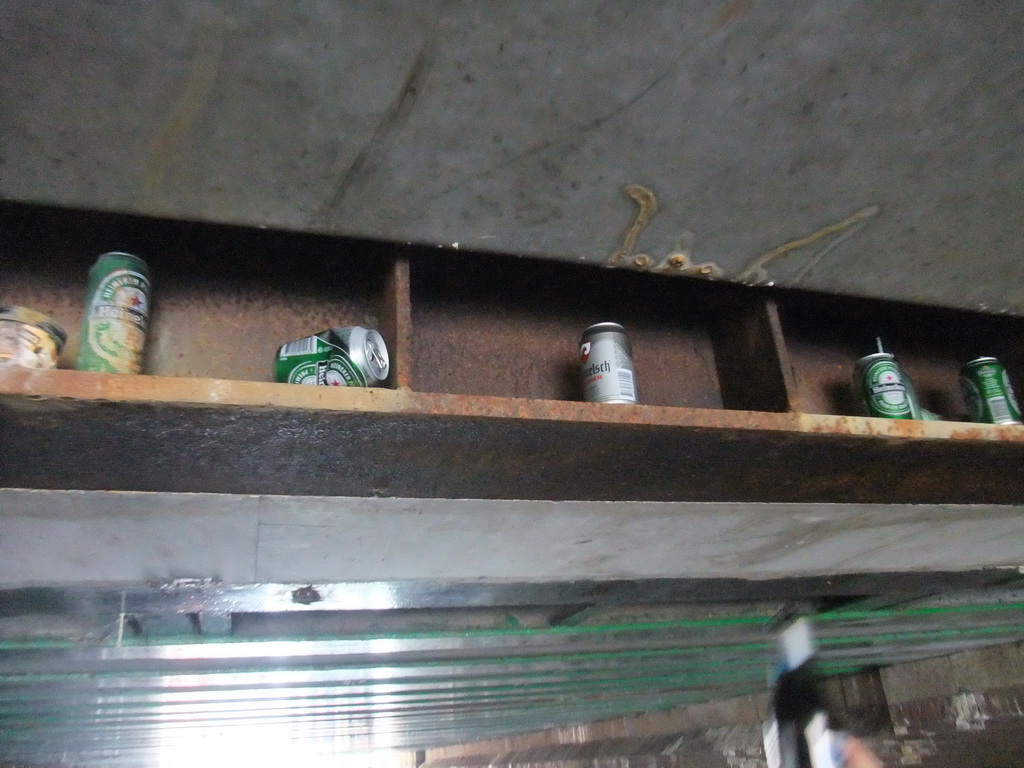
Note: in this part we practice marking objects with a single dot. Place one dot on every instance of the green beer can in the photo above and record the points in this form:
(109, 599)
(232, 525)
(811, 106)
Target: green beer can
(338, 357)
(884, 388)
(987, 391)
(116, 315)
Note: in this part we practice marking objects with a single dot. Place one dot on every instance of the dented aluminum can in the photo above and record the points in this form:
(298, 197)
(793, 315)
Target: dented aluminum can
(339, 357)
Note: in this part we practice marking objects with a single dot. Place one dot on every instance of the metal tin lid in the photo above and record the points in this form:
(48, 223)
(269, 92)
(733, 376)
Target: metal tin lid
(978, 361)
(868, 359)
(38, 319)
(597, 328)
(376, 353)
(136, 263)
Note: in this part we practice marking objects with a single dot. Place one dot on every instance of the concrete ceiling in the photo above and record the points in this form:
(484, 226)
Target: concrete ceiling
(513, 127)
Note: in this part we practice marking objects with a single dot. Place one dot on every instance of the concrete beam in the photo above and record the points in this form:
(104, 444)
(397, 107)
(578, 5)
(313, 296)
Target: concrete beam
(61, 538)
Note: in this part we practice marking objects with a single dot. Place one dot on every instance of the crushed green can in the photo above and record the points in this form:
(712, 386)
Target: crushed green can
(338, 357)
(116, 315)
(987, 391)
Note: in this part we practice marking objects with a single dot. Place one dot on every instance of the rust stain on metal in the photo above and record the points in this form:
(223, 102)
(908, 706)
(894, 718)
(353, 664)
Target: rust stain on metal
(731, 11)
(988, 432)
(477, 448)
(896, 427)
(484, 346)
(647, 206)
(26, 386)
(396, 323)
(908, 428)
(223, 299)
(860, 425)
(680, 264)
(640, 415)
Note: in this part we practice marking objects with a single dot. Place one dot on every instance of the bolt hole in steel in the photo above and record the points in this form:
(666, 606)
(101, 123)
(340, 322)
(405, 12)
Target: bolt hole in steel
(306, 595)
(133, 624)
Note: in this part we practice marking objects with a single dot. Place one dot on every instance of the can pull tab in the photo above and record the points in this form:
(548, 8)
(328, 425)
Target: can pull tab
(878, 342)
(375, 357)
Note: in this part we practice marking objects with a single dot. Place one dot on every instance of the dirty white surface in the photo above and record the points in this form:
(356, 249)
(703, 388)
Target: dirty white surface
(82, 537)
(514, 127)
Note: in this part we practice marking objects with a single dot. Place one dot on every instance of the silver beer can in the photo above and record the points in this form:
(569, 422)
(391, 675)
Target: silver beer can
(606, 362)
(366, 351)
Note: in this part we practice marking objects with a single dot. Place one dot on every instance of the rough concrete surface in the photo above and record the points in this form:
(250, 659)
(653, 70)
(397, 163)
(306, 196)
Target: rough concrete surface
(73, 537)
(514, 128)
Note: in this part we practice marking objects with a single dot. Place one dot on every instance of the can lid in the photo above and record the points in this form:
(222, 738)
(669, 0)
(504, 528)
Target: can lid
(58, 333)
(135, 260)
(868, 359)
(376, 353)
(603, 328)
(976, 363)
(38, 319)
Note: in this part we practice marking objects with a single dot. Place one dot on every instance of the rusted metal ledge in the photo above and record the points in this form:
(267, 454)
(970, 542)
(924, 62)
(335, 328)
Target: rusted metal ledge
(85, 386)
(68, 429)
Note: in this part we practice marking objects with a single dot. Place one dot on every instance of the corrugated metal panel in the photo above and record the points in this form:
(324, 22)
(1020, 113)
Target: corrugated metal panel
(128, 700)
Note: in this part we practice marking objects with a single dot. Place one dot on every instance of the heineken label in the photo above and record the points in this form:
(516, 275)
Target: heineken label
(334, 370)
(988, 394)
(885, 391)
(323, 359)
(116, 322)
